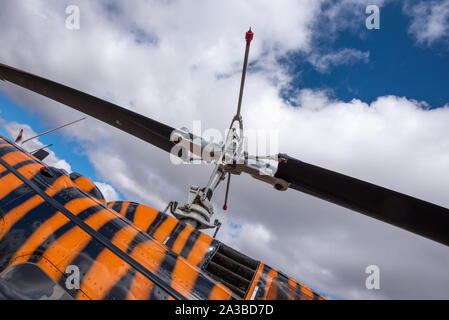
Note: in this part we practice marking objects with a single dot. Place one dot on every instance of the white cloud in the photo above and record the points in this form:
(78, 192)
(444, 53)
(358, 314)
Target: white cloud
(191, 72)
(13, 129)
(108, 191)
(430, 20)
(343, 15)
(342, 57)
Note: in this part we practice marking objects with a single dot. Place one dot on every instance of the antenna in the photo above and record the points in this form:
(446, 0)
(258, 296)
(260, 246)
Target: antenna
(49, 131)
(34, 151)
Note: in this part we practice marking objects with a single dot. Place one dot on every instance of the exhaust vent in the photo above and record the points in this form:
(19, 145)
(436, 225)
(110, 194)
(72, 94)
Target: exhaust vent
(233, 269)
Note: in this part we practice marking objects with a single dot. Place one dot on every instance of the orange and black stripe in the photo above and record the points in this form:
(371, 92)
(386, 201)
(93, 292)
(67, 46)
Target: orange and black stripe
(121, 252)
(87, 186)
(25, 179)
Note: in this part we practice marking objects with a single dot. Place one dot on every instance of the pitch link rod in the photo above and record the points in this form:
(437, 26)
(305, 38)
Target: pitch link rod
(249, 38)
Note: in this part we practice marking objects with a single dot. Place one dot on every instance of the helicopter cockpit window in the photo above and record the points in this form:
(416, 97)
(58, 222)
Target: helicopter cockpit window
(27, 281)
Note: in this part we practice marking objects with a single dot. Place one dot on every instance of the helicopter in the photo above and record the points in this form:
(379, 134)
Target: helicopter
(53, 221)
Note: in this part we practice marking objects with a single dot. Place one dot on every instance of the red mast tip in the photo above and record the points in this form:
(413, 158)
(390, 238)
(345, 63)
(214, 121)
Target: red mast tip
(249, 36)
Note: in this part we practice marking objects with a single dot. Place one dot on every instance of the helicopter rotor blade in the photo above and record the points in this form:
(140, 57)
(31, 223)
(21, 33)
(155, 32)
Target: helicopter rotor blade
(412, 214)
(126, 120)
(403, 211)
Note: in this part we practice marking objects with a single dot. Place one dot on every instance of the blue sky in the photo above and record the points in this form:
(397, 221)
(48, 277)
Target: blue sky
(397, 64)
(62, 146)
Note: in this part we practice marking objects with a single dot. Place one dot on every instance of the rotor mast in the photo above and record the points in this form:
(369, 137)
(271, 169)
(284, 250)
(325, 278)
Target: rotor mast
(198, 210)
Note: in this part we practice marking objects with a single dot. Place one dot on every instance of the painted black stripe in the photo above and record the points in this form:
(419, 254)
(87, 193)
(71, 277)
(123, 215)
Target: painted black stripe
(23, 228)
(18, 166)
(117, 207)
(262, 283)
(5, 150)
(91, 191)
(193, 237)
(165, 270)
(139, 238)
(24, 192)
(104, 241)
(282, 287)
(203, 287)
(95, 193)
(167, 266)
(86, 258)
(120, 290)
(298, 292)
(130, 211)
(160, 218)
(142, 236)
(74, 176)
(13, 240)
(57, 234)
(175, 234)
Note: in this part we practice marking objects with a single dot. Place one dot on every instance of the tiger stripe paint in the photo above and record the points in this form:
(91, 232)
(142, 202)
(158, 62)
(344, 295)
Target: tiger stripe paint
(140, 288)
(194, 245)
(271, 293)
(291, 288)
(108, 268)
(49, 227)
(306, 293)
(121, 288)
(11, 217)
(71, 243)
(40, 232)
(129, 214)
(9, 183)
(255, 280)
(175, 234)
(84, 184)
(163, 227)
(17, 166)
(199, 249)
(87, 186)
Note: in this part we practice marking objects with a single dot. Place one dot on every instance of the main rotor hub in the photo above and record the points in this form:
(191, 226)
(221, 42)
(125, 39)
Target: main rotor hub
(197, 211)
(230, 159)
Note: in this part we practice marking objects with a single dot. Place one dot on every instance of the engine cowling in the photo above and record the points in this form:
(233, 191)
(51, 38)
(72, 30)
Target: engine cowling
(87, 186)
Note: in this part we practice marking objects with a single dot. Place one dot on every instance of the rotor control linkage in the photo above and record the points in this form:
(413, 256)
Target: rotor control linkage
(198, 210)
(238, 140)
(225, 206)
(229, 158)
